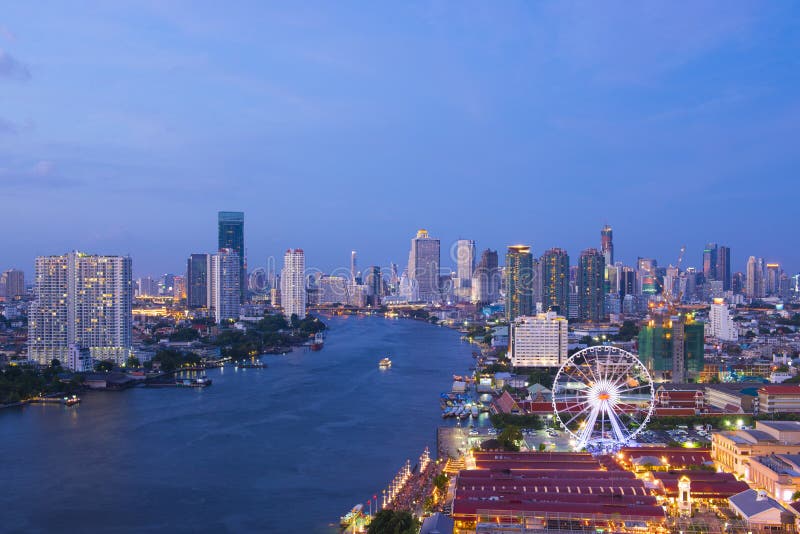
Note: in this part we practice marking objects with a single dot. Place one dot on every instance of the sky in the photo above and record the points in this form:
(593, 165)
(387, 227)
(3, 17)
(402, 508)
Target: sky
(125, 127)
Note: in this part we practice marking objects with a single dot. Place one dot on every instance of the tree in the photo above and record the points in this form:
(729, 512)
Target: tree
(103, 366)
(393, 522)
(509, 438)
(55, 363)
(440, 482)
(132, 361)
(542, 447)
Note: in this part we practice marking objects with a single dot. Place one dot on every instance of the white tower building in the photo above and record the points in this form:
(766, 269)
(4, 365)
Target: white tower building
(721, 322)
(293, 284)
(538, 341)
(82, 303)
(224, 293)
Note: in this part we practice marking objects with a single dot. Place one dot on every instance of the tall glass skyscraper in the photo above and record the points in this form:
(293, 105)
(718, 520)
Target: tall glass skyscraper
(486, 279)
(519, 281)
(197, 281)
(607, 244)
(555, 281)
(231, 236)
(724, 267)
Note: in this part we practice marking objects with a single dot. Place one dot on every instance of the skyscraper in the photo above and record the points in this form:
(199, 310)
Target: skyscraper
(555, 281)
(519, 281)
(197, 281)
(486, 278)
(773, 278)
(373, 279)
(607, 244)
(353, 267)
(224, 279)
(293, 284)
(710, 262)
(724, 267)
(82, 305)
(13, 284)
(591, 269)
(231, 236)
(754, 282)
(423, 266)
(465, 267)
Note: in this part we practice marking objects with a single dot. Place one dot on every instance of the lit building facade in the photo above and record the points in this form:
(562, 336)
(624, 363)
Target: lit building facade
(231, 236)
(293, 285)
(224, 292)
(486, 279)
(720, 320)
(538, 341)
(591, 283)
(519, 281)
(423, 267)
(82, 302)
(555, 280)
(672, 347)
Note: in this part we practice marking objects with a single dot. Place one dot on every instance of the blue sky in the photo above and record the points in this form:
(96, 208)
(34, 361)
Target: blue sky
(125, 127)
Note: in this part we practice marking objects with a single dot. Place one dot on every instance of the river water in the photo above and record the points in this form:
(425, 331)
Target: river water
(289, 448)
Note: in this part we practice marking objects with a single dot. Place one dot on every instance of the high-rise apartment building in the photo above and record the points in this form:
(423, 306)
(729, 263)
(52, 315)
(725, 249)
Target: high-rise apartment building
(197, 281)
(353, 267)
(591, 270)
(555, 281)
(720, 321)
(293, 284)
(423, 267)
(373, 280)
(519, 281)
(12, 283)
(486, 278)
(82, 304)
(754, 278)
(671, 347)
(465, 267)
(538, 341)
(179, 288)
(231, 236)
(224, 277)
(773, 278)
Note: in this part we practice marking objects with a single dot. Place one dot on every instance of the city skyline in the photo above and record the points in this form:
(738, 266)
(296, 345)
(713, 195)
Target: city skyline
(520, 102)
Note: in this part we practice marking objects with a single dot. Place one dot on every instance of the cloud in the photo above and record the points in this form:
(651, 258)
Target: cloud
(7, 34)
(12, 69)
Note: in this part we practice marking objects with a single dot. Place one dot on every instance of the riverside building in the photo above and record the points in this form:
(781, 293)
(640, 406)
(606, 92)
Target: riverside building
(539, 340)
(82, 303)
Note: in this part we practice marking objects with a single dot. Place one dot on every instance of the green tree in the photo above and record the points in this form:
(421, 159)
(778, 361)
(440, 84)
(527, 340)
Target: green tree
(393, 522)
(440, 482)
(103, 366)
(132, 361)
(510, 438)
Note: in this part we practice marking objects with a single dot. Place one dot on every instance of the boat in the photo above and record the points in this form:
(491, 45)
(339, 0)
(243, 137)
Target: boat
(252, 365)
(351, 516)
(318, 342)
(72, 401)
(385, 363)
(199, 382)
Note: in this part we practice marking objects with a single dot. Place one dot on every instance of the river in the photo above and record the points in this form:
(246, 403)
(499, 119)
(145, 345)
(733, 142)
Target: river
(289, 448)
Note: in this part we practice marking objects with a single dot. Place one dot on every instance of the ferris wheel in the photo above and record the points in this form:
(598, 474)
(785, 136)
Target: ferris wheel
(603, 397)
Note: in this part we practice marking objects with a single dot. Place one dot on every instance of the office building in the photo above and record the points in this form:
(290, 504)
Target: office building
(720, 321)
(353, 267)
(197, 281)
(519, 281)
(538, 341)
(179, 288)
(373, 280)
(146, 287)
(293, 285)
(732, 450)
(710, 262)
(82, 302)
(231, 236)
(590, 284)
(555, 281)
(486, 279)
(224, 293)
(724, 267)
(12, 283)
(423, 267)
